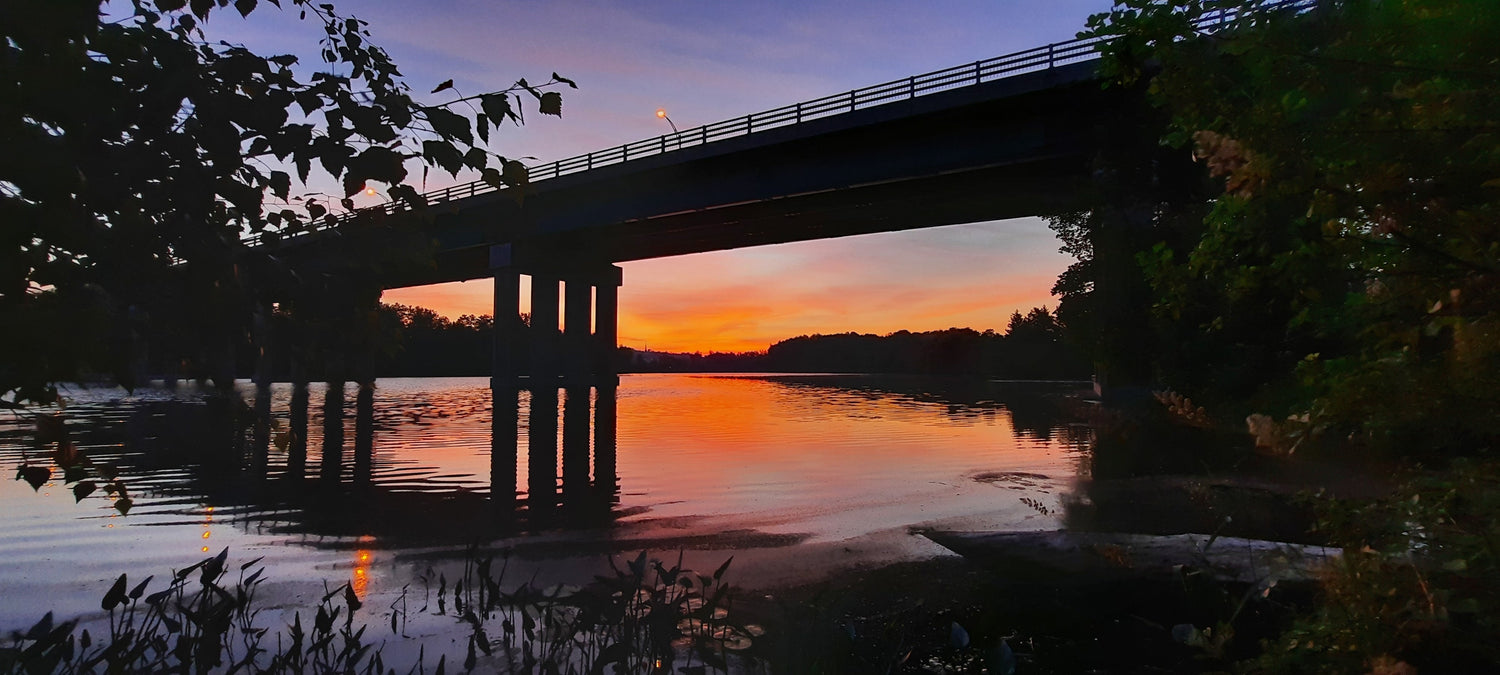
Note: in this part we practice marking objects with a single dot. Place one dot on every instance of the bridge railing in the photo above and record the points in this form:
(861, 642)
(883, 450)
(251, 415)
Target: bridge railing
(1032, 60)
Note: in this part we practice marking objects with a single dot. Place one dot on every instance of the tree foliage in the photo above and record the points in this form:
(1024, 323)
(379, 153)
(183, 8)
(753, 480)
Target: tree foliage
(1351, 252)
(140, 152)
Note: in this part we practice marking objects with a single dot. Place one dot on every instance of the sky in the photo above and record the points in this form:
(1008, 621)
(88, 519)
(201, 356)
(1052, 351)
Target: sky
(707, 61)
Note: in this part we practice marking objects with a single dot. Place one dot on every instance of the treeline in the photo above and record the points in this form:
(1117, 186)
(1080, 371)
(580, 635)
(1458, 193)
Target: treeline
(1032, 348)
(427, 344)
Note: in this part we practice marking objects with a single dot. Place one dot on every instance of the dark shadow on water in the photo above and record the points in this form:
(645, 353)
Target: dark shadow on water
(206, 441)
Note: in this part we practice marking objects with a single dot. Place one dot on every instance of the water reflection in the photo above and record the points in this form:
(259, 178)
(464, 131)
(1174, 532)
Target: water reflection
(384, 498)
(704, 461)
(452, 461)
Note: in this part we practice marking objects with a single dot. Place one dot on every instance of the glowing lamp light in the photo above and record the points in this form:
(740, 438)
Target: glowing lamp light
(661, 112)
(370, 191)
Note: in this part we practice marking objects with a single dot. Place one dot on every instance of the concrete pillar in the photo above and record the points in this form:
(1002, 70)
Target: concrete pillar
(544, 335)
(504, 367)
(606, 329)
(578, 362)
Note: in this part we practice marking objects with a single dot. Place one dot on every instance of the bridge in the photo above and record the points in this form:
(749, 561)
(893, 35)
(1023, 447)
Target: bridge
(1000, 138)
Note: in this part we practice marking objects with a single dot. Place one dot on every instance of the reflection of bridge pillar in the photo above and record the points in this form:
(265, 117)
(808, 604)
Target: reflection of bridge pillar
(364, 423)
(605, 479)
(575, 469)
(541, 454)
(261, 327)
(544, 335)
(606, 327)
(296, 450)
(504, 430)
(333, 431)
(576, 306)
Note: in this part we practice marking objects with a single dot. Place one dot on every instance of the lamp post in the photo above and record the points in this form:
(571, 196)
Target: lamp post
(662, 113)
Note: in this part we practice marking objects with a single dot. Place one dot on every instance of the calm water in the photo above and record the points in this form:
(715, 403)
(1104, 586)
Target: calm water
(794, 475)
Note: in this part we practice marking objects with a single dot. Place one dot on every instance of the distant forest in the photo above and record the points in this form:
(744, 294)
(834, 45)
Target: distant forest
(1031, 348)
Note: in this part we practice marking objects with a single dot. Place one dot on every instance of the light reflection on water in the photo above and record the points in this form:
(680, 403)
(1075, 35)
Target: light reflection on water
(794, 458)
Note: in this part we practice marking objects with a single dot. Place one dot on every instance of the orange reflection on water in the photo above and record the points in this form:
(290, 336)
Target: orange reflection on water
(362, 558)
(208, 519)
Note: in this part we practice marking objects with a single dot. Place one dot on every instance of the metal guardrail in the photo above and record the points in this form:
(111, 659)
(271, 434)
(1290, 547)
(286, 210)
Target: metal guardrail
(1033, 60)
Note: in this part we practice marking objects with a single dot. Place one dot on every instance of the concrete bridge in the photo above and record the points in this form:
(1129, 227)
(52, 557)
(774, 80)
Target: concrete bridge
(1001, 138)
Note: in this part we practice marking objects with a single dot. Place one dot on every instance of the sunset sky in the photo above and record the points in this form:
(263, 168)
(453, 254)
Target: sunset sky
(707, 61)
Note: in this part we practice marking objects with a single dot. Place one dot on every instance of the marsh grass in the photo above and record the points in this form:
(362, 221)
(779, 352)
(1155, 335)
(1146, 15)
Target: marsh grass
(642, 618)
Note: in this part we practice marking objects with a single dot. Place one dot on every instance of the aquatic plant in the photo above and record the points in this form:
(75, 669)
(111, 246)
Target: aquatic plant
(643, 618)
(198, 623)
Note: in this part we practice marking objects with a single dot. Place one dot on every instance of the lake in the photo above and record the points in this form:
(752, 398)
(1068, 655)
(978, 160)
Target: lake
(796, 476)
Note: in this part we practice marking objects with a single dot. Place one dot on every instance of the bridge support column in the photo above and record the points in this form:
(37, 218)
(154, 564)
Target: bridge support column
(504, 370)
(544, 335)
(577, 301)
(607, 328)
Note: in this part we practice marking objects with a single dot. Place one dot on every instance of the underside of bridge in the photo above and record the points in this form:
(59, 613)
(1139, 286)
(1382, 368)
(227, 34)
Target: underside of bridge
(1020, 146)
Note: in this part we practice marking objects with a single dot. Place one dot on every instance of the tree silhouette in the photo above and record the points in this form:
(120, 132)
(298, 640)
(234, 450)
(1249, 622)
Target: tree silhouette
(140, 152)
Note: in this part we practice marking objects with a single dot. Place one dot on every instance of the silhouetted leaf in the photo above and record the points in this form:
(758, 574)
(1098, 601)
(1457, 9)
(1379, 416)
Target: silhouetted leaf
(444, 155)
(551, 104)
(449, 124)
(74, 474)
(513, 172)
(638, 566)
(564, 80)
(719, 573)
(214, 566)
(447, 84)
(497, 107)
(123, 505)
(351, 599)
(36, 476)
(140, 588)
(281, 184)
(200, 8)
(41, 628)
(83, 489)
(245, 7)
(115, 596)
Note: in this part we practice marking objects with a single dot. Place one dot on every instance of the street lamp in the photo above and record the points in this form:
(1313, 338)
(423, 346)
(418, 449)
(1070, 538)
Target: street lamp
(662, 113)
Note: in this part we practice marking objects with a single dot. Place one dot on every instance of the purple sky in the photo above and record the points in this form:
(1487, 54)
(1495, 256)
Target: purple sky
(704, 62)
